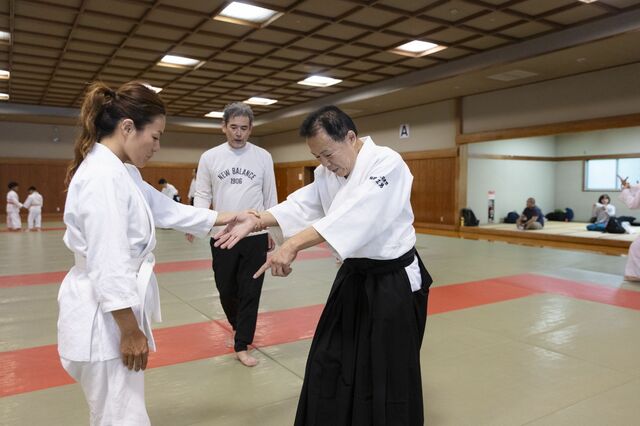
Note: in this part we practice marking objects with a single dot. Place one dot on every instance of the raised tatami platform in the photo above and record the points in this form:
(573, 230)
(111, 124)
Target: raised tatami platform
(570, 235)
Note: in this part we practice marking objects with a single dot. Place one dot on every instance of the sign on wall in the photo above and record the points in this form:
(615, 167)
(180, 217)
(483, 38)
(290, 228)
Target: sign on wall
(404, 131)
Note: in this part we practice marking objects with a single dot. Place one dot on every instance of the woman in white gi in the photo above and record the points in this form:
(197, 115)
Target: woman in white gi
(34, 203)
(109, 298)
(630, 195)
(13, 208)
(364, 364)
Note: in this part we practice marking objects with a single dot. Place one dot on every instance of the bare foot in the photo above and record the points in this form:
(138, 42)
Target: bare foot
(246, 359)
(631, 279)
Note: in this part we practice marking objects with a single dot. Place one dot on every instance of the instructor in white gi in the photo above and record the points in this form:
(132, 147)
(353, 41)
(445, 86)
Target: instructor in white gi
(14, 223)
(109, 298)
(364, 363)
(238, 175)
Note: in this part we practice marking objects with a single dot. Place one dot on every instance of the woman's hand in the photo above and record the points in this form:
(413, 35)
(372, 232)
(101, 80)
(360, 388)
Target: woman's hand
(279, 262)
(134, 347)
(238, 227)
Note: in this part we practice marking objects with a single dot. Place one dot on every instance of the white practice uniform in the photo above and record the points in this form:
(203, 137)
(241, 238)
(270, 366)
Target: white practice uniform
(631, 197)
(13, 210)
(364, 360)
(354, 214)
(34, 203)
(170, 191)
(111, 215)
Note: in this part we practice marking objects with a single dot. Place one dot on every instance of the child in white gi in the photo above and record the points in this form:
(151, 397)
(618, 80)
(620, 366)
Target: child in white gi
(34, 203)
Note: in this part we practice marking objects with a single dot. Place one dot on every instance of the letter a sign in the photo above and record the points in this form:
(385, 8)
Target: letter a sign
(404, 131)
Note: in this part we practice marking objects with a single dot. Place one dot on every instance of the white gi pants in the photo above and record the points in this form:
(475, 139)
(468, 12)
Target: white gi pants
(114, 393)
(35, 217)
(13, 220)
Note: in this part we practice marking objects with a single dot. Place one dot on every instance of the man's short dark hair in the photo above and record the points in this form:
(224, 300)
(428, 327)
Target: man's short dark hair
(237, 109)
(31, 188)
(12, 184)
(162, 181)
(335, 123)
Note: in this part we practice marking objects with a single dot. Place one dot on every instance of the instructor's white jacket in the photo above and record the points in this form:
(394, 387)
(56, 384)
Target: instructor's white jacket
(111, 214)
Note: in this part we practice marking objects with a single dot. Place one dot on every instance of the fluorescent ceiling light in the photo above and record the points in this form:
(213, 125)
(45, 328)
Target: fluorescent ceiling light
(587, 1)
(512, 75)
(5, 36)
(417, 48)
(319, 81)
(260, 101)
(178, 61)
(247, 14)
(155, 89)
(4, 75)
(4, 96)
(214, 114)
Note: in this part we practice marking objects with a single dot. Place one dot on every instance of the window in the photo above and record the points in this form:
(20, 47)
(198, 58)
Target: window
(602, 175)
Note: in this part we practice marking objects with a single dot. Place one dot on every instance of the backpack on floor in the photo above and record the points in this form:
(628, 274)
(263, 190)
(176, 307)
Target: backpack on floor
(512, 217)
(556, 215)
(614, 226)
(569, 214)
(469, 217)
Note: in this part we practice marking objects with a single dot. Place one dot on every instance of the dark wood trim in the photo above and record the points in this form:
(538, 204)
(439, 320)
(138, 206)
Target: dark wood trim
(436, 153)
(577, 126)
(511, 157)
(305, 163)
(567, 158)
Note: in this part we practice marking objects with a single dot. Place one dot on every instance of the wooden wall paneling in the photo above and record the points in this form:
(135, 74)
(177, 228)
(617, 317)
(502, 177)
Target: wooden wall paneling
(281, 183)
(179, 175)
(433, 195)
(47, 176)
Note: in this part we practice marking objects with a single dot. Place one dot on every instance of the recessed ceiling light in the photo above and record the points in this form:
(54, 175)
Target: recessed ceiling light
(155, 89)
(178, 61)
(588, 1)
(255, 100)
(214, 114)
(512, 75)
(5, 36)
(247, 14)
(319, 81)
(4, 96)
(4, 75)
(418, 48)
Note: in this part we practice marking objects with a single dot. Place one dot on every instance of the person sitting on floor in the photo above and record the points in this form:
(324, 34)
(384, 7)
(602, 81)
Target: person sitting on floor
(602, 211)
(531, 217)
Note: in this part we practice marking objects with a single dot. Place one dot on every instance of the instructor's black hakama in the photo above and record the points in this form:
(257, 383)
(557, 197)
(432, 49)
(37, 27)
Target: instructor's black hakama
(364, 362)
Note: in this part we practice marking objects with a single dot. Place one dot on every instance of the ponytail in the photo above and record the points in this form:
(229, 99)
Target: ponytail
(102, 110)
(98, 94)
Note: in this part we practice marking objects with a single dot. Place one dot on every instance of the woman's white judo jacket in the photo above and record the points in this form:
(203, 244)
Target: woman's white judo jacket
(111, 215)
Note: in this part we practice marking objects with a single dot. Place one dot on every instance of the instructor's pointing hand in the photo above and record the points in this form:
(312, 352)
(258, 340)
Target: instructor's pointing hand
(279, 262)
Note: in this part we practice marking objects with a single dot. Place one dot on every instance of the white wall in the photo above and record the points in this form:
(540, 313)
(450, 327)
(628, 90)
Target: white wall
(570, 175)
(512, 180)
(28, 140)
(431, 127)
(605, 93)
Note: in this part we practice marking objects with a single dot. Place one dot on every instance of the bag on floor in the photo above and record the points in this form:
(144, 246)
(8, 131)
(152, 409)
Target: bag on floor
(469, 217)
(512, 217)
(556, 215)
(569, 214)
(614, 226)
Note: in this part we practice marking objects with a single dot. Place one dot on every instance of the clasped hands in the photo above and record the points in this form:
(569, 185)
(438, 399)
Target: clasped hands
(246, 222)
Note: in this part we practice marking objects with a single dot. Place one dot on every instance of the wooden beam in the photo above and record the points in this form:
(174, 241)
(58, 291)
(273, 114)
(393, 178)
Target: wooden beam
(620, 121)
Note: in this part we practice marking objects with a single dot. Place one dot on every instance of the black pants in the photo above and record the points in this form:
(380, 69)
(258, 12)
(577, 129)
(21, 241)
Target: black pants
(239, 292)
(364, 363)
